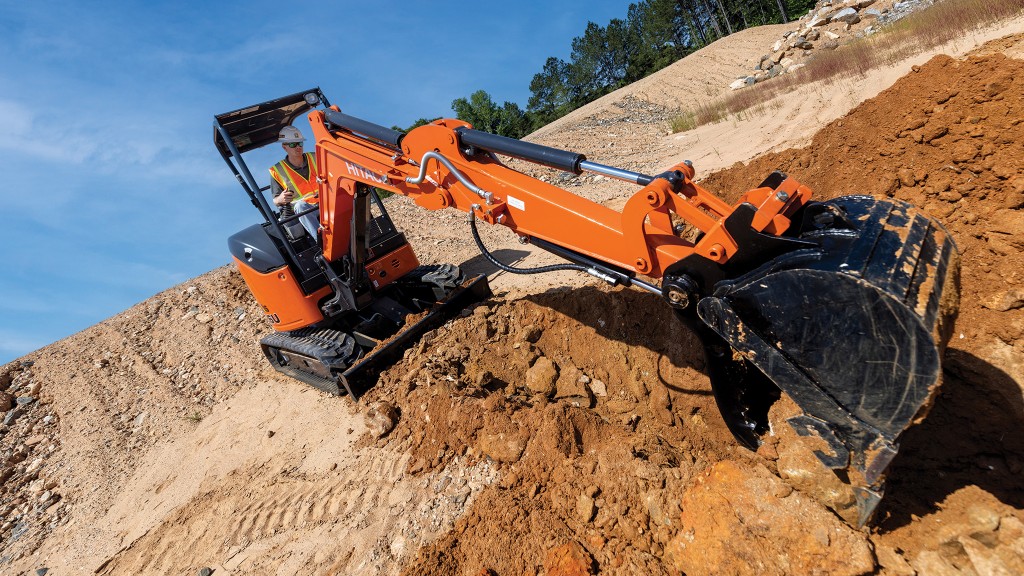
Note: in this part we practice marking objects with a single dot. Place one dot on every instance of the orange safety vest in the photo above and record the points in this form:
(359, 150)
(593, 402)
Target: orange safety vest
(304, 189)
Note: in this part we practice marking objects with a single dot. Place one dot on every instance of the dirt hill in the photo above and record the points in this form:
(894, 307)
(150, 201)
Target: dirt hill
(160, 442)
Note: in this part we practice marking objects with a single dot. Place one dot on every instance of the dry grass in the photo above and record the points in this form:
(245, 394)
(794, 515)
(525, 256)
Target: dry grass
(942, 22)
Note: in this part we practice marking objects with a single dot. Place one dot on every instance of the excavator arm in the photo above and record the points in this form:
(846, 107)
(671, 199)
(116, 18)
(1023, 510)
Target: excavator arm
(844, 305)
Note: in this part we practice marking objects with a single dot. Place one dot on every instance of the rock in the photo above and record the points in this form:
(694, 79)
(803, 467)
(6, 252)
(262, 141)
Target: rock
(660, 404)
(25, 400)
(598, 388)
(460, 497)
(931, 562)
(871, 13)
(1012, 299)
(12, 416)
(768, 451)
(570, 387)
(742, 83)
(6, 401)
(906, 177)
(203, 318)
(541, 377)
(381, 419)
(985, 560)
(817, 21)
(964, 151)
(35, 439)
(585, 508)
(934, 133)
(893, 562)
(801, 43)
(732, 523)
(502, 447)
(569, 559)
(205, 571)
(531, 333)
(846, 15)
(983, 518)
(798, 466)
(656, 510)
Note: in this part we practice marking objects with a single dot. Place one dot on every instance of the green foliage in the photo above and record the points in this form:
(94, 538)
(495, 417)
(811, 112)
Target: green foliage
(550, 97)
(481, 111)
(416, 124)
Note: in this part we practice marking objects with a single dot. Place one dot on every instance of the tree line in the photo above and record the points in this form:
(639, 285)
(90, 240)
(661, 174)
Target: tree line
(654, 34)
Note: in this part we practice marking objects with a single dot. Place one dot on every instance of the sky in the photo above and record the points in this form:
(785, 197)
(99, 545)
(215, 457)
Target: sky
(113, 191)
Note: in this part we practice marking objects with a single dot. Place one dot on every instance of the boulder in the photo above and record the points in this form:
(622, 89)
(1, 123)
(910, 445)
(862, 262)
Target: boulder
(742, 83)
(846, 15)
(541, 377)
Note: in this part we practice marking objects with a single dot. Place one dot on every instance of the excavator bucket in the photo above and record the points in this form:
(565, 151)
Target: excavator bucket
(852, 327)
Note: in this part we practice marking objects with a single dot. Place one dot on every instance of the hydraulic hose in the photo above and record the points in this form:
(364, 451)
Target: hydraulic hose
(501, 266)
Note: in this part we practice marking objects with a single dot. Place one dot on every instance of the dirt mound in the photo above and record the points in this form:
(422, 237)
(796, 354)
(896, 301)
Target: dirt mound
(571, 392)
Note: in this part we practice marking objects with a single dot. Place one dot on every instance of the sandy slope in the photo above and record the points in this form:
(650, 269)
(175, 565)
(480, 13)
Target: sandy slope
(171, 446)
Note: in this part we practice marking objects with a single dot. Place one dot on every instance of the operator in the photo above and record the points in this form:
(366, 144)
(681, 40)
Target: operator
(294, 179)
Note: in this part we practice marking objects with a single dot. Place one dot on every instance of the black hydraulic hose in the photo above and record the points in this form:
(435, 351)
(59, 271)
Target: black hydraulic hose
(501, 266)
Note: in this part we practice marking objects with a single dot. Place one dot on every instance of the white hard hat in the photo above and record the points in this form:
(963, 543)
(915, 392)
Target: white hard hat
(290, 134)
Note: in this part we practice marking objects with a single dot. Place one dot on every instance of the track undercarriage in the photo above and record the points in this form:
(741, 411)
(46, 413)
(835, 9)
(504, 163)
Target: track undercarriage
(346, 355)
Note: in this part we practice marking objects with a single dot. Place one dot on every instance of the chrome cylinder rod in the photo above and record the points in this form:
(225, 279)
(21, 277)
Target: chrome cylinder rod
(618, 173)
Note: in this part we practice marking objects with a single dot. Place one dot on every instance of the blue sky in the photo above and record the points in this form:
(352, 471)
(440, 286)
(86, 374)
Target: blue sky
(113, 190)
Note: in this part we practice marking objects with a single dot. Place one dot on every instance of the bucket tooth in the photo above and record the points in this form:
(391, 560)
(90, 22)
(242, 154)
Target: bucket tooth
(853, 330)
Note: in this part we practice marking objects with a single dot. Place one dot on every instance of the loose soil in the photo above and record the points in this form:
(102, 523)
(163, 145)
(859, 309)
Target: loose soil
(558, 428)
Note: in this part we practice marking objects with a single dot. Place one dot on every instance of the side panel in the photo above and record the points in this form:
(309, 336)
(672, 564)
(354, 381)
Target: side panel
(282, 300)
(392, 266)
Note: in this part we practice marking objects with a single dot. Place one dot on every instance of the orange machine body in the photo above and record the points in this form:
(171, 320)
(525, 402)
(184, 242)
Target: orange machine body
(281, 297)
(391, 266)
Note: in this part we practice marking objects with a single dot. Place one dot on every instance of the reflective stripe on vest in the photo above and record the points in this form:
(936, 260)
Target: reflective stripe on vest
(304, 189)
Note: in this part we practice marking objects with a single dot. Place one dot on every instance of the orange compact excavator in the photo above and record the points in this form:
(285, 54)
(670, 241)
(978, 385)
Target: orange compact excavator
(845, 305)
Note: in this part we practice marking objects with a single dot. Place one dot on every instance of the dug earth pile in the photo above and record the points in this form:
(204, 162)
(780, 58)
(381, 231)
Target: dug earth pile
(613, 455)
(571, 431)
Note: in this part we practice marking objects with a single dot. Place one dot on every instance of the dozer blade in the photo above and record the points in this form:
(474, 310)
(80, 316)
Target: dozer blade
(361, 375)
(339, 361)
(853, 329)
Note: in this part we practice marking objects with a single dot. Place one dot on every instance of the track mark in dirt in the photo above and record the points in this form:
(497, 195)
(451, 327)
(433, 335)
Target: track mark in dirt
(253, 507)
